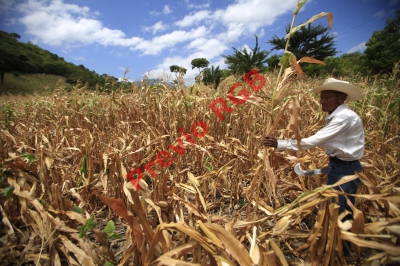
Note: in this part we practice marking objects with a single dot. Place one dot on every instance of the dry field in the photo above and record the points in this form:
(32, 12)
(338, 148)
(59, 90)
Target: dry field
(224, 200)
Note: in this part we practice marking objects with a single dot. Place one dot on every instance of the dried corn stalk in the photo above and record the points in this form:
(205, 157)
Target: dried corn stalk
(295, 120)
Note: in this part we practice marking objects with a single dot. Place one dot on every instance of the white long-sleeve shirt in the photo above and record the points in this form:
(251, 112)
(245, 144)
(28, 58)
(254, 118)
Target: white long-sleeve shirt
(342, 136)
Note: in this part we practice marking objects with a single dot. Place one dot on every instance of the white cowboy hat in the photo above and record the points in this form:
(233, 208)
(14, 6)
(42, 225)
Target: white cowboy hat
(331, 84)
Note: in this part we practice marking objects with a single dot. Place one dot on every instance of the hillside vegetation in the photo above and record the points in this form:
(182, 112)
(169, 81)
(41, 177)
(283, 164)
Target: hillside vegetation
(33, 83)
(27, 58)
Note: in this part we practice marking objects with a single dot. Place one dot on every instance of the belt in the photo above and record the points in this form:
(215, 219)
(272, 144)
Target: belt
(338, 161)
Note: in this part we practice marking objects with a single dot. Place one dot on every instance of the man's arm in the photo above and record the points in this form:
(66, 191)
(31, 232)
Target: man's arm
(318, 139)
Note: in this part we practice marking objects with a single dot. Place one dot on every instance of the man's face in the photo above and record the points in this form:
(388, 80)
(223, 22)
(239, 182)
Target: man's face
(330, 101)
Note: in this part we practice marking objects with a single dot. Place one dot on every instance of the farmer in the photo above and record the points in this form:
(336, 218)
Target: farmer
(342, 136)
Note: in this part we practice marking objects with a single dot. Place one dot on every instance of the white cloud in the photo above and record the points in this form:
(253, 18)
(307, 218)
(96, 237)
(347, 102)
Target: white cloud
(206, 48)
(193, 6)
(193, 18)
(154, 13)
(198, 48)
(157, 44)
(235, 31)
(166, 9)
(251, 15)
(60, 23)
(159, 26)
(261, 33)
(358, 48)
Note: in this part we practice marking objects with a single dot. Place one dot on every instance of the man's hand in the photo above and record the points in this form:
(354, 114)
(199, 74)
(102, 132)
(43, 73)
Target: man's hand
(270, 141)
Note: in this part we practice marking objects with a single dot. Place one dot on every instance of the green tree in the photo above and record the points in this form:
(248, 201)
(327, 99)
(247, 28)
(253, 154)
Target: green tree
(352, 64)
(23, 60)
(225, 73)
(212, 76)
(332, 68)
(345, 65)
(312, 41)
(55, 69)
(273, 62)
(177, 69)
(199, 63)
(15, 35)
(383, 48)
(179, 73)
(242, 61)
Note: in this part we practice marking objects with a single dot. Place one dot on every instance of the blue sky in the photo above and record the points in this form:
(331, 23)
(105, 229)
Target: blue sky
(149, 36)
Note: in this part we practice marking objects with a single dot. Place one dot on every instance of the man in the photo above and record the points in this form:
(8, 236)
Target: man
(342, 136)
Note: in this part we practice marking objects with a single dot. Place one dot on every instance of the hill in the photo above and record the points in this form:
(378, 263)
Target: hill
(27, 58)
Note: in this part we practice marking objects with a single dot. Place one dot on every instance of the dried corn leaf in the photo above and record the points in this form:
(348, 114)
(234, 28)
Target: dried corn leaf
(378, 227)
(193, 179)
(384, 246)
(299, 5)
(282, 89)
(80, 255)
(270, 258)
(254, 250)
(311, 20)
(278, 252)
(177, 252)
(282, 225)
(307, 59)
(279, 116)
(190, 207)
(232, 245)
(317, 226)
(332, 240)
(209, 234)
(8, 227)
(357, 226)
(295, 120)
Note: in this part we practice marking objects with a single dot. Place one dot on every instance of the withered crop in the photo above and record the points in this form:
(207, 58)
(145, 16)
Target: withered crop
(66, 157)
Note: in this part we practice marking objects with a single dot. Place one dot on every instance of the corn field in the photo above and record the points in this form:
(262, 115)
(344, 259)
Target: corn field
(223, 200)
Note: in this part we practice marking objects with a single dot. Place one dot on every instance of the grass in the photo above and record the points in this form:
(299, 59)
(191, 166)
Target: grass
(214, 203)
(32, 83)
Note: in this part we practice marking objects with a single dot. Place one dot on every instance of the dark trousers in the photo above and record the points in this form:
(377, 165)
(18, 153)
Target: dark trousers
(339, 169)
